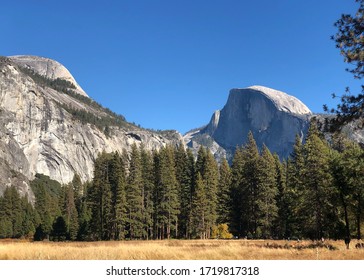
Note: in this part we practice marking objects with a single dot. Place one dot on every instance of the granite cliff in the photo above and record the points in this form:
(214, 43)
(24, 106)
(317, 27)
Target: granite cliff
(273, 117)
(49, 125)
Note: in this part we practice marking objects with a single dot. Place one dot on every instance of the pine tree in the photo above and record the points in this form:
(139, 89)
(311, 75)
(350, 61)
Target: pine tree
(282, 223)
(84, 213)
(29, 218)
(42, 206)
(59, 230)
(199, 209)
(77, 186)
(134, 196)
(348, 172)
(69, 212)
(224, 194)
(117, 179)
(100, 200)
(211, 180)
(294, 195)
(167, 204)
(184, 165)
(344, 192)
(317, 205)
(237, 186)
(48, 200)
(148, 192)
(349, 39)
(250, 188)
(11, 214)
(267, 194)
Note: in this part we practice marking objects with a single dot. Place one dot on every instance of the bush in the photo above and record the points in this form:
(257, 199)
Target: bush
(221, 231)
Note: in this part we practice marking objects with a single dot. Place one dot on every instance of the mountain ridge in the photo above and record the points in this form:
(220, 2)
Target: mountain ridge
(48, 128)
(273, 117)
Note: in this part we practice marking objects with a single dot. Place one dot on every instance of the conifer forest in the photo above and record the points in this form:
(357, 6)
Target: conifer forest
(170, 193)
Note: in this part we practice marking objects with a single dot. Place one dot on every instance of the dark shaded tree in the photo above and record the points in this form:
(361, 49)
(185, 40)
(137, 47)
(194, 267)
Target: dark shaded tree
(224, 203)
(350, 40)
(134, 196)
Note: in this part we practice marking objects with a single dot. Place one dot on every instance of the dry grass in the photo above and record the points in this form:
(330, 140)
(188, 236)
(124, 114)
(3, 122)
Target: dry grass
(177, 250)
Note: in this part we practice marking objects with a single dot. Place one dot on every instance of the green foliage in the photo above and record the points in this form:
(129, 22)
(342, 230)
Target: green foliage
(267, 194)
(40, 234)
(17, 216)
(350, 40)
(47, 204)
(317, 192)
(69, 211)
(148, 192)
(59, 230)
(166, 194)
(199, 209)
(134, 196)
(224, 200)
(185, 170)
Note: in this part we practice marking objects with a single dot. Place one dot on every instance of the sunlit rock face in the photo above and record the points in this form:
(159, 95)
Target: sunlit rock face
(273, 117)
(38, 135)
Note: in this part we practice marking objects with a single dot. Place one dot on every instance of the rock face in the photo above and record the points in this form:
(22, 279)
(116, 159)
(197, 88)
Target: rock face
(39, 133)
(48, 68)
(273, 117)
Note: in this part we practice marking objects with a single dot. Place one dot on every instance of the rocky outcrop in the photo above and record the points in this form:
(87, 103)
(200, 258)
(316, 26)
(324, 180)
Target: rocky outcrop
(48, 68)
(40, 131)
(273, 117)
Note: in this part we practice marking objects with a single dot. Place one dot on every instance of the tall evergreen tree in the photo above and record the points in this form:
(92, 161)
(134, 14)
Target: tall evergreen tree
(349, 39)
(349, 178)
(117, 179)
(148, 192)
(69, 212)
(134, 195)
(29, 218)
(199, 209)
(267, 194)
(100, 200)
(211, 181)
(224, 194)
(47, 201)
(237, 186)
(167, 204)
(250, 188)
(184, 162)
(282, 223)
(11, 215)
(317, 205)
(294, 195)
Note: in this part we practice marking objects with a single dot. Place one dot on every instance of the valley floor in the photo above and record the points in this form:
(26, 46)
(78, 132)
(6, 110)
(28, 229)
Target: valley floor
(180, 250)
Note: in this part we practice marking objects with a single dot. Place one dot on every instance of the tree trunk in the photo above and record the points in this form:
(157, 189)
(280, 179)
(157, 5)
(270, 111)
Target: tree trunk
(358, 217)
(347, 226)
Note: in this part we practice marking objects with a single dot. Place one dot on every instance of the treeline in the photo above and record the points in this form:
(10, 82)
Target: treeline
(316, 193)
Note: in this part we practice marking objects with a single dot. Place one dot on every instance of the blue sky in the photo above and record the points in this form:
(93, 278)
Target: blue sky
(170, 64)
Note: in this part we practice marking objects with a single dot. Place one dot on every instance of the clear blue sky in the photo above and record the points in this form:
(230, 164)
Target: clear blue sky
(169, 64)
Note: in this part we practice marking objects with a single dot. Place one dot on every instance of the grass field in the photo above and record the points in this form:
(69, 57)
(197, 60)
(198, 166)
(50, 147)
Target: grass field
(179, 250)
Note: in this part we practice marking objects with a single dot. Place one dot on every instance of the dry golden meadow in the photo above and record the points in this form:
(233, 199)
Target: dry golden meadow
(179, 250)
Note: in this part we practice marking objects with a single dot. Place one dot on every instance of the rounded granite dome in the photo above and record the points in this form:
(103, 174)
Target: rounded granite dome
(283, 101)
(48, 68)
